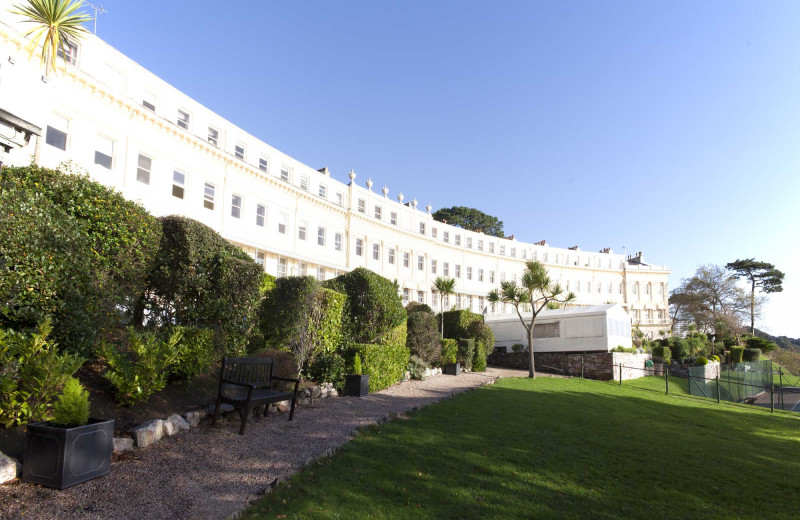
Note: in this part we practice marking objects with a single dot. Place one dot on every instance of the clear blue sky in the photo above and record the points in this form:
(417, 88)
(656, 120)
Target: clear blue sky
(667, 127)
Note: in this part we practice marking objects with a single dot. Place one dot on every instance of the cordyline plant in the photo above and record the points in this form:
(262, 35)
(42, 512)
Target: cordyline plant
(57, 22)
(535, 291)
(445, 286)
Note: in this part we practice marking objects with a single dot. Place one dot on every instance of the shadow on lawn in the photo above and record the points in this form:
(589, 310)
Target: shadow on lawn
(558, 450)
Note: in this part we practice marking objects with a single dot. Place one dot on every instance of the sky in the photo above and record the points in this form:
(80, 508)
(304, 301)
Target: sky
(671, 128)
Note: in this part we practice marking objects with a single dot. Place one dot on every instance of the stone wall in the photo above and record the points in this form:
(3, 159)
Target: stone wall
(596, 365)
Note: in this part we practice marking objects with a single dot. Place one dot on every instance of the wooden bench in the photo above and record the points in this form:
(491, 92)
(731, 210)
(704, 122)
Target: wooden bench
(246, 383)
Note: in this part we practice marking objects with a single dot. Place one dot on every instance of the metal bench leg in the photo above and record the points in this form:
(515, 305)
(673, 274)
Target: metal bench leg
(216, 412)
(244, 413)
(291, 411)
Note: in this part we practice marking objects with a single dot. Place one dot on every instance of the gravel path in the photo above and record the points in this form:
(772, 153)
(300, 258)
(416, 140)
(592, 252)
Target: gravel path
(213, 472)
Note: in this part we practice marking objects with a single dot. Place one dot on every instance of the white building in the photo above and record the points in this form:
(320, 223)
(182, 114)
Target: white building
(596, 328)
(136, 133)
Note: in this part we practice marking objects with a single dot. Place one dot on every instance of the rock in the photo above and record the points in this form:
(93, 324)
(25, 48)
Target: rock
(334, 393)
(148, 433)
(283, 406)
(224, 408)
(192, 418)
(316, 392)
(10, 468)
(175, 424)
(122, 444)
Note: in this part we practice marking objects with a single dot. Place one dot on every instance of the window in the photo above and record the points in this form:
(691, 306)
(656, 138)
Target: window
(469, 273)
(321, 235)
(405, 296)
(434, 299)
(213, 136)
(104, 152)
(283, 222)
(469, 242)
(321, 274)
(502, 277)
(71, 54)
(263, 164)
(285, 173)
(458, 271)
(610, 288)
(480, 275)
(491, 247)
(391, 256)
(502, 250)
(647, 289)
(421, 263)
(635, 288)
(337, 241)
(434, 232)
(238, 151)
(362, 206)
(178, 184)
(446, 236)
(620, 288)
(282, 267)
(144, 165)
(260, 258)
(421, 228)
(304, 182)
(183, 119)
(491, 276)
(376, 251)
(236, 206)
(547, 330)
(578, 286)
(406, 259)
(513, 252)
(480, 245)
(208, 195)
(458, 240)
(359, 247)
(302, 269)
(340, 198)
(599, 287)
(261, 215)
(323, 191)
(421, 296)
(56, 135)
(393, 218)
(302, 226)
(433, 266)
(378, 212)
(149, 101)
(446, 269)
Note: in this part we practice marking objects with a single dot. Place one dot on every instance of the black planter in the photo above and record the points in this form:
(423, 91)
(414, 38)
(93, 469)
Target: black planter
(62, 457)
(357, 386)
(452, 369)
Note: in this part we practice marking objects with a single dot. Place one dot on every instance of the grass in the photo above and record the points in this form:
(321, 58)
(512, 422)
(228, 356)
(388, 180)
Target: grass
(677, 385)
(560, 449)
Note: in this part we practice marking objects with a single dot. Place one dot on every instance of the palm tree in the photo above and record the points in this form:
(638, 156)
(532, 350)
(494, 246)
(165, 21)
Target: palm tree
(535, 291)
(57, 24)
(446, 287)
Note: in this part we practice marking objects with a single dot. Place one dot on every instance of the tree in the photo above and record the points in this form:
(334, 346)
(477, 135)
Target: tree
(57, 24)
(472, 219)
(446, 287)
(535, 291)
(760, 274)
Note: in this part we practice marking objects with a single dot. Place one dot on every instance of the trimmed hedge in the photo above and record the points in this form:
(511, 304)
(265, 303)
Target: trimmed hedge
(423, 336)
(385, 364)
(202, 280)
(373, 307)
(479, 360)
(196, 351)
(466, 352)
(679, 348)
(737, 353)
(456, 323)
(662, 352)
(449, 352)
(760, 343)
(701, 361)
(751, 354)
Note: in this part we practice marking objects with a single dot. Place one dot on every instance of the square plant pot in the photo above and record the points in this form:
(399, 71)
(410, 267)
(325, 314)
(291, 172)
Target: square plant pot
(62, 457)
(357, 386)
(452, 369)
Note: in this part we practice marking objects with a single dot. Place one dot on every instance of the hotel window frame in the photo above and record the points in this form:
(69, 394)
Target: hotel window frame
(362, 206)
(457, 240)
(393, 218)
(469, 242)
(240, 151)
(337, 242)
(434, 232)
(433, 266)
(446, 237)
(323, 191)
(421, 228)
(54, 135)
(491, 247)
(446, 269)
(320, 273)
(376, 251)
(469, 273)
(184, 122)
(209, 195)
(390, 255)
(101, 140)
(260, 258)
(263, 163)
(340, 199)
(283, 223)
(143, 173)
(420, 263)
(71, 56)
(213, 136)
(237, 201)
(304, 180)
(302, 229)
(458, 270)
(178, 184)
(480, 245)
(322, 236)
(261, 215)
(283, 267)
(359, 247)
(149, 101)
(406, 259)
(285, 173)
(480, 274)
(378, 212)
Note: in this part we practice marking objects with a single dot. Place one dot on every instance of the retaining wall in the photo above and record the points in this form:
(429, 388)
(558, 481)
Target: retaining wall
(596, 365)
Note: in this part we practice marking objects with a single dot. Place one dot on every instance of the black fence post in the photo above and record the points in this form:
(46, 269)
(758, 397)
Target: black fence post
(581, 366)
(666, 372)
(620, 374)
(772, 397)
(780, 380)
(718, 392)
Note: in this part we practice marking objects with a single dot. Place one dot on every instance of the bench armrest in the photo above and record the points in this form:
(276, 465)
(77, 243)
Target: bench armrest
(239, 383)
(289, 379)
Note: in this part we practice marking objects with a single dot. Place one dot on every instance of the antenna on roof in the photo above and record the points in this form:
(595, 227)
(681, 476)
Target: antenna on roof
(98, 10)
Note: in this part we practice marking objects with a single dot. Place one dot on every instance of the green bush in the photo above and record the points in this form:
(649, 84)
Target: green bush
(481, 333)
(456, 323)
(373, 307)
(662, 352)
(700, 361)
(751, 354)
(517, 347)
(327, 367)
(143, 368)
(196, 352)
(358, 369)
(385, 364)
(737, 353)
(760, 343)
(423, 337)
(679, 348)
(697, 346)
(32, 370)
(479, 359)
(417, 367)
(199, 279)
(72, 407)
(729, 342)
(466, 352)
(418, 307)
(449, 351)
(629, 350)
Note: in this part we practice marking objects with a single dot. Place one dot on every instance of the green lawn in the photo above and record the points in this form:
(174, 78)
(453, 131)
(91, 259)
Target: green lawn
(557, 448)
(677, 385)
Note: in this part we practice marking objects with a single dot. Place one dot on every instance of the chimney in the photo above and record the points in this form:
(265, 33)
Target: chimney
(324, 171)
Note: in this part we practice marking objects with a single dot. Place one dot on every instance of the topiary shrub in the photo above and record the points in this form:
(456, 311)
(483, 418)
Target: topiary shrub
(737, 353)
(423, 337)
(449, 352)
(32, 370)
(372, 308)
(384, 363)
(72, 407)
(416, 368)
(679, 348)
(700, 361)
(760, 343)
(200, 279)
(456, 323)
(662, 352)
(751, 354)
(479, 359)
(466, 352)
(517, 348)
(729, 342)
